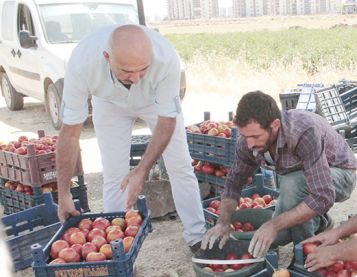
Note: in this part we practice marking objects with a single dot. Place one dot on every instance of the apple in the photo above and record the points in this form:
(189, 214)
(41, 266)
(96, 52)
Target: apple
(95, 257)
(106, 249)
(309, 247)
(101, 223)
(213, 132)
(245, 256)
(58, 261)
(127, 242)
(237, 225)
(69, 255)
(131, 213)
(119, 221)
(115, 234)
(85, 223)
(245, 206)
(94, 233)
(57, 246)
(267, 198)
(77, 247)
(216, 266)
(215, 204)
(131, 230)
(208, 169)
(207, 268)
(247, 227)
(99, 241)
(111, 228)
(77, 238)
(134, 220)
(21, 150)
(259, 201)
(212, 210)
(20, 188)
(22, 138)
(87, 248)
(343, 273)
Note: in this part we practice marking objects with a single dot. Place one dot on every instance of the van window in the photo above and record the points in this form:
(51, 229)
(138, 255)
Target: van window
(7, 29)
(25, 22)
(64, 23)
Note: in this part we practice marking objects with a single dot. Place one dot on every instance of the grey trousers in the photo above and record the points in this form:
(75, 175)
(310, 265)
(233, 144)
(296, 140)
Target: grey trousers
(293, 191)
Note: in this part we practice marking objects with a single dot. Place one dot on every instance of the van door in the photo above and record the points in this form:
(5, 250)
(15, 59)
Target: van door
(27, 66)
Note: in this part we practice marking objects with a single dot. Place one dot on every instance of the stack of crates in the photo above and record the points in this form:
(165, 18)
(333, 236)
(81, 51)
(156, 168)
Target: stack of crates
(22, 229)
(214, 150)
(301, 98)
(138, 147)
(34, 170)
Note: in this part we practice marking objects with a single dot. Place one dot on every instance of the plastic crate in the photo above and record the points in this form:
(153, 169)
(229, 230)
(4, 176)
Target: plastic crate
(14, 201)
(257, 187)
(332, 108)
(352, 142)
(216, 150)
(32, 169)
(37, 224)
(349, 100)
(298, 261)
(121, 264)
(236, 246)
(289, 99)
(138, 147)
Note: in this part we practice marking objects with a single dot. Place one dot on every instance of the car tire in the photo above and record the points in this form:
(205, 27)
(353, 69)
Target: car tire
(53, 103)
(14, 100)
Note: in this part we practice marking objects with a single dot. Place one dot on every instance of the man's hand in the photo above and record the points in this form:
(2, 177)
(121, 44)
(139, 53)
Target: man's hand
(262, 239)
(135, 180)
(220, 231)
(319, 258)
(329, 237)
(66, 208)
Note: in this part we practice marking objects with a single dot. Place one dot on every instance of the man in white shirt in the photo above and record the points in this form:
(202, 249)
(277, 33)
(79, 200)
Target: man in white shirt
(131, 72)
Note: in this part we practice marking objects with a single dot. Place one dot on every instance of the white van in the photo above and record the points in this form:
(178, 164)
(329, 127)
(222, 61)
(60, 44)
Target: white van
(37, 38)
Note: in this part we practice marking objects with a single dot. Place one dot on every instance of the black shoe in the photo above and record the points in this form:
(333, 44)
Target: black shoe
(326, 223)
(194, 248)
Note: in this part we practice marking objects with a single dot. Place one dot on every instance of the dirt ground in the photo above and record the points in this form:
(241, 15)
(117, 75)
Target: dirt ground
(164, 252)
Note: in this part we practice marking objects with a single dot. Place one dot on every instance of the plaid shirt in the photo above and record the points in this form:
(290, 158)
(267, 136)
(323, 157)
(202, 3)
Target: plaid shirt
(306, 142)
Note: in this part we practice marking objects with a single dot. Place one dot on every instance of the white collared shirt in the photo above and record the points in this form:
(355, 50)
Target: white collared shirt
(88, 72)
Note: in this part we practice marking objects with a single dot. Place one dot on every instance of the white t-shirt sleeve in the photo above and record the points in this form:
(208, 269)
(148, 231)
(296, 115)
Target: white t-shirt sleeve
(168, 101)
(74, 107)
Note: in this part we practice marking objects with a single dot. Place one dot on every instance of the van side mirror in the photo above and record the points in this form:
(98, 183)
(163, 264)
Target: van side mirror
(27, 41)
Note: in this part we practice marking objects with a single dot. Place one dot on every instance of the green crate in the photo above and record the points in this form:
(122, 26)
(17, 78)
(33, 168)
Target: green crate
(238, 247)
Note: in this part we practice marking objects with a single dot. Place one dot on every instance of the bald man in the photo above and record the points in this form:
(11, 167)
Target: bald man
(131, 72)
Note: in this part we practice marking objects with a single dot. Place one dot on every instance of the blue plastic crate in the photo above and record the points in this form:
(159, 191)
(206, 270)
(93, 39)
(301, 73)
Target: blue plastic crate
(216, 150)
(37, 224)
(138, 147)
(121, 265)
(257, 187)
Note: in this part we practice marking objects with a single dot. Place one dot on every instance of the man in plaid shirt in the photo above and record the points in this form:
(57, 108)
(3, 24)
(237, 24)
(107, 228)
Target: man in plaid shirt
(316, 168)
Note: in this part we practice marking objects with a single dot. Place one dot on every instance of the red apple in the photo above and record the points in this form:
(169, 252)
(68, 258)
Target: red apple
(77, 238)
(119, 221)
(95, 257)
(127, 242)
(57, 246)
(85, 223)
(58, 261)
(267, 198)
(131, 231)
(309, 248)
(77, 247)
(94, 233)
(134, 220)
(215, 204)
(101, 223)
(131, 213)
(111, 228)
(115, 234)
(99, 241)
(247, 227)
(106, 249)
(87, 248)
(69, 255)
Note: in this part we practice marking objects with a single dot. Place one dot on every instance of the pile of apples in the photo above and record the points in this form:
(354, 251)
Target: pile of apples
(46, 144)
(339, 268)
(212, 128)
(90, 240)
(210, 169)
(231, 267)
(255, 201)
(50, 187)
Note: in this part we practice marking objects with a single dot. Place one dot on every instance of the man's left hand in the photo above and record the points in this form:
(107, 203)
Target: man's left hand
(134, 181)
(320, 257)
(262, 239)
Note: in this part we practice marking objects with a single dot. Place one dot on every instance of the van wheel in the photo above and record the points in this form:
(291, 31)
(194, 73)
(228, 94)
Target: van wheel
(14, 100)
(53, 103)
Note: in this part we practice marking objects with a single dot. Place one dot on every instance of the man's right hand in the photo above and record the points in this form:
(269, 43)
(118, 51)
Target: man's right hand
(220, 231)
(66, 208)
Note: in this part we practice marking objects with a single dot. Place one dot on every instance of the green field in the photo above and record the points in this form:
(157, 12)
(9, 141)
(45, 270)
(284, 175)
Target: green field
(306, 49)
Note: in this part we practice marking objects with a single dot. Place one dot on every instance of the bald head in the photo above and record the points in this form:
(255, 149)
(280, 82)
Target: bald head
(130, 47)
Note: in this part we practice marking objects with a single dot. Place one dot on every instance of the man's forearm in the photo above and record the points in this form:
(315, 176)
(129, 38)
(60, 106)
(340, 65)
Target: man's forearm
(298, 215)
(67, 152)
(160, 139)
(228, 206)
